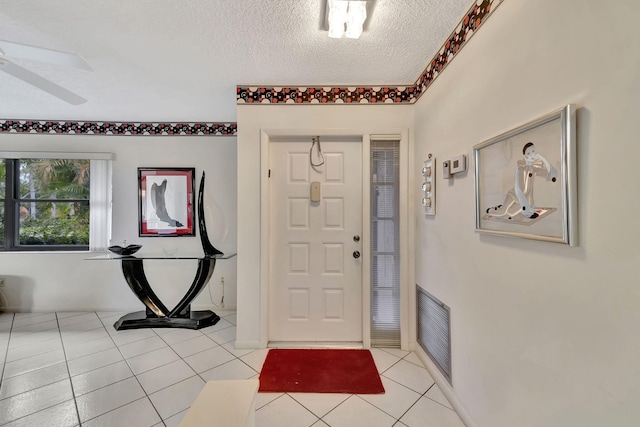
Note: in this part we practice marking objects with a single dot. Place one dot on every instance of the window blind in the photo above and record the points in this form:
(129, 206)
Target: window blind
(100, 205)
(385, 243)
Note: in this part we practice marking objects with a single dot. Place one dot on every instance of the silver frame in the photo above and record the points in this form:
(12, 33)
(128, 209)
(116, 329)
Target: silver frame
(567, 176)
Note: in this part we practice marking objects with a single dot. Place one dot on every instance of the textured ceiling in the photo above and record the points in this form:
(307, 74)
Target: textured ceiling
(168, 60)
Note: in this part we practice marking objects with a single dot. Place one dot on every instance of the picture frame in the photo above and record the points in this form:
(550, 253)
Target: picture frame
(525, 180)
(166, 202)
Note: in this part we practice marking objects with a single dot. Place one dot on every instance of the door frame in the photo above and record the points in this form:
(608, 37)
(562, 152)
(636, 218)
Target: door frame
(407, 299)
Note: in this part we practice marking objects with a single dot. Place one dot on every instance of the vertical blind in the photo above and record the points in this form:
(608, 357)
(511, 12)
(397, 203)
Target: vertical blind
(100, 205)
(385, 243)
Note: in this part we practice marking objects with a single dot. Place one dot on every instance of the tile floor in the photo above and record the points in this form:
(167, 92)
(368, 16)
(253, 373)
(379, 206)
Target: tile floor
(72, 369)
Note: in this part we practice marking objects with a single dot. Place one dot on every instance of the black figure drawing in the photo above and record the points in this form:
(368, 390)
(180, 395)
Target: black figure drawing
(159, 204)
(518, 205)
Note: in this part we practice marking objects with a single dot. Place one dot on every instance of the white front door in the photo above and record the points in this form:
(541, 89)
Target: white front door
(315, 279)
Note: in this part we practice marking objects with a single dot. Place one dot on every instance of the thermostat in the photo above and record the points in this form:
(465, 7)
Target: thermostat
(459, 164)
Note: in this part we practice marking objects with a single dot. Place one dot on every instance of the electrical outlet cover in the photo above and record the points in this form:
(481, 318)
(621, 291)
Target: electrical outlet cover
(446, 169)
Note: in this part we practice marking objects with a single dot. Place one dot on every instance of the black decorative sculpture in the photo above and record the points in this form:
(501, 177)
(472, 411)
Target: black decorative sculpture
(124, 250)
(209, 249)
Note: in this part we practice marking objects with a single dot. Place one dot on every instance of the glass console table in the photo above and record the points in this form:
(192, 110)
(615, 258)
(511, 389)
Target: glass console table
(157, 315)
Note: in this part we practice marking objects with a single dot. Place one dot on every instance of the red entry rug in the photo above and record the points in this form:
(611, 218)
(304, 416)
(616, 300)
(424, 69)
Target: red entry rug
(320, 371)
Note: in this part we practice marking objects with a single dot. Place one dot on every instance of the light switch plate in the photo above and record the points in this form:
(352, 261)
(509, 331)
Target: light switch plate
(429, 185)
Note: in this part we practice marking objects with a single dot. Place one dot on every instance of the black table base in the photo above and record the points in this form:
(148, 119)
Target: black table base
(157, 315)
(139, 319)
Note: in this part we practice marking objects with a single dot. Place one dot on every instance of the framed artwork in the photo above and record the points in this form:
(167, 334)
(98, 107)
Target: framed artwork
(166, 201)
(525, 180)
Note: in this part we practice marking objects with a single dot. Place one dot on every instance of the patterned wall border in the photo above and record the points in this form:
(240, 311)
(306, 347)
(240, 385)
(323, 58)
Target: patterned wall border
(467, 27)
(118, 128)
(477, 14)
(326, 95)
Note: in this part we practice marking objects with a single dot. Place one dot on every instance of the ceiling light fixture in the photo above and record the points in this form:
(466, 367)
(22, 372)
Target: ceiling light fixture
(349, 13)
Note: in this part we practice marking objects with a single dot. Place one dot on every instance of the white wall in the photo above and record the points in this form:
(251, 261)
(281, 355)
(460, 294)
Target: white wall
(67, 281)
(542, 334)
(251, 330)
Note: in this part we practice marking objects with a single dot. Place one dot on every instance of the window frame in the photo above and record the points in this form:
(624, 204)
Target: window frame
(99, 202)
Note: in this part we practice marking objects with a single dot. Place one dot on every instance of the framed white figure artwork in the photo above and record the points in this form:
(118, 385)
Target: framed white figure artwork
(525, 180)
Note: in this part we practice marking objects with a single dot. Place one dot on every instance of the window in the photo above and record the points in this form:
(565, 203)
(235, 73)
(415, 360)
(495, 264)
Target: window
(385, 243)
(54, 201)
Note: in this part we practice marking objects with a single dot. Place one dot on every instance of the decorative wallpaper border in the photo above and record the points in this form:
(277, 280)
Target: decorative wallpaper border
(326, 95)
(118, 128)
(477, 14)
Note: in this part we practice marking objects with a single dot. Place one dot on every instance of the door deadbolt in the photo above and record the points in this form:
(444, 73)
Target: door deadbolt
(356, 254)
(356, 238)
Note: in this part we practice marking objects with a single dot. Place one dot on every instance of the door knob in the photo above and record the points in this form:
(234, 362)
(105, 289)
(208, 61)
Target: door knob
(356, 254)
(356, 238)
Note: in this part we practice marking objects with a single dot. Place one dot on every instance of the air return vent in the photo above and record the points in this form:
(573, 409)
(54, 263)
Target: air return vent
(434, 334)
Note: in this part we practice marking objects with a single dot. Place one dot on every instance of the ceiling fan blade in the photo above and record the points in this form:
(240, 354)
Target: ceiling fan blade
(40, 82)
(40, 54)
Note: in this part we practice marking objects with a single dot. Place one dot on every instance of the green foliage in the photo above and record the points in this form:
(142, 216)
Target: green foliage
(55, 231)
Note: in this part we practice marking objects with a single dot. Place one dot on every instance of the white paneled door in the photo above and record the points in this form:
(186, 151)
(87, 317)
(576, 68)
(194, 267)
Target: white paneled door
(315, 283)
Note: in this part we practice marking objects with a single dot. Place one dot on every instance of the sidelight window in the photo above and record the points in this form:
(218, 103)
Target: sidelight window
(385, 243)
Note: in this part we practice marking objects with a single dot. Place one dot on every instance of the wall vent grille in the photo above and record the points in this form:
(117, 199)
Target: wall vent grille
(434, 333)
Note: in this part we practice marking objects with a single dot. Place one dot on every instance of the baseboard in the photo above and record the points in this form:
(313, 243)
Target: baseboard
(212, 307)
(18, 309)
(444, 386)
(247, 344)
